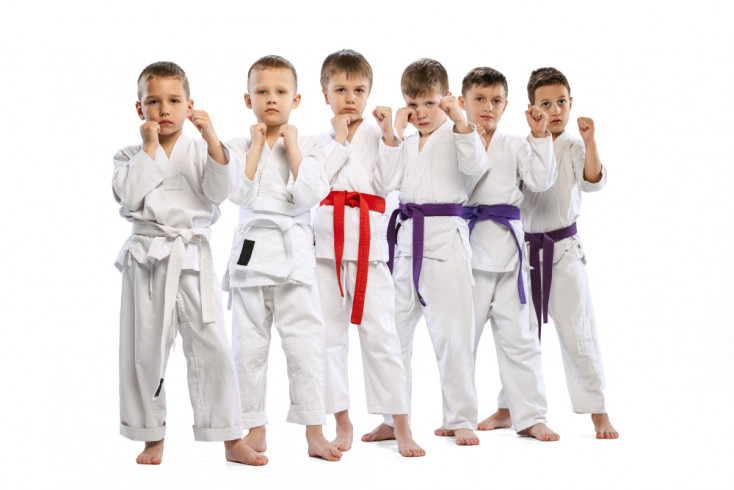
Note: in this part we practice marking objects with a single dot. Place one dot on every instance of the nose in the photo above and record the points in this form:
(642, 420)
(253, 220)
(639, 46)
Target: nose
(350, 97)
(271, 98)
(165, 108)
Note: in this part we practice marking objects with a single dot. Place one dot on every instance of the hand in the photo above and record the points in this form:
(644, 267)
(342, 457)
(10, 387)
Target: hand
(586, 129)
(149, 131)
(201, 120)
(340, 123)
(383, 116)
(404, 116)
(290, 136)
(257, 134)
(450, 106)
(537, 120)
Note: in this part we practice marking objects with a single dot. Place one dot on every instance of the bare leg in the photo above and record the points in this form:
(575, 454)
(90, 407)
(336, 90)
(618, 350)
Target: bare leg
(382, 432)
(344, 431)
(318, 446)
(541, 432)
(603, 427)
(152, 454)
(237, 451)
(255, 438)
(499, 420)
(406, 445)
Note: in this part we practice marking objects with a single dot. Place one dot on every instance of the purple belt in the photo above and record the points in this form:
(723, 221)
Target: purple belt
(502, 214)
(417, 212)
(545, 241)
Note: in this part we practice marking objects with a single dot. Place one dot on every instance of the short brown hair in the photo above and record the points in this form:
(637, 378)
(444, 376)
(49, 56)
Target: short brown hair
(346, 61)
(162, 69)
(483, 76)
(271, 62)
(545, 76)
(424, 77)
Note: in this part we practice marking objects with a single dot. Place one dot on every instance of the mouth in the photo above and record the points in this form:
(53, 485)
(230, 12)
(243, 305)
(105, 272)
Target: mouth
(487, 118)
(556, 121)
(165, 122)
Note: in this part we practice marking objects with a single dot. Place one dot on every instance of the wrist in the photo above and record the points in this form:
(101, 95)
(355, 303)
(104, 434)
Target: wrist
(538, 135)
(463, 127)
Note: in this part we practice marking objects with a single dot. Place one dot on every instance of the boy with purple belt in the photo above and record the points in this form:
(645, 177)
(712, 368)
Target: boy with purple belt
(550, 223)
(500, 273)
(432, 270)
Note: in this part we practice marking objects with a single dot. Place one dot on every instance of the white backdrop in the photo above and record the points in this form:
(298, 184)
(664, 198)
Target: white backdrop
(655, 77)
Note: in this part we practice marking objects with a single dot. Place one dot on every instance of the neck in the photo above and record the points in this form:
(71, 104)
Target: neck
(272, 134)
(556, 135)
(167, 141)
(353, 126)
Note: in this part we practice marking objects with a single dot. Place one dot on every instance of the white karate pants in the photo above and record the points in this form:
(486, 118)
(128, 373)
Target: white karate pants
(385, 383)
(496, 300)
(295, 310)
(211, 376)
(446, 287)
(572, 313)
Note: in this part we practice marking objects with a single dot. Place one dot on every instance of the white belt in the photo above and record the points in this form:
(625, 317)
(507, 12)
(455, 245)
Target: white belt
(181, 237)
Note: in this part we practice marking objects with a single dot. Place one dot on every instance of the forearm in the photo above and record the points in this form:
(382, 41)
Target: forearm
(252, 157)
(295, 158)
(216, 151)
(592, 163)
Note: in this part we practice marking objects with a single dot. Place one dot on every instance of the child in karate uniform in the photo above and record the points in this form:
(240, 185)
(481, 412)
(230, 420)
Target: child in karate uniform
(559, 281)
(351, 250)
(432, 270)
(170, 188)
(499, 267)
(271, 268)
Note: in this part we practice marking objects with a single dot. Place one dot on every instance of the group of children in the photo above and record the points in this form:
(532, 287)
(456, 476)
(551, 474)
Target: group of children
(463, 248)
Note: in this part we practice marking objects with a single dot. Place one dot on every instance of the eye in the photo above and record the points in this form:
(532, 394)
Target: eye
(281, 92)
(412, 106)
(497, 101)
(261, 92)
(174, 101)
(561, 102)
(544, 104)
(340, 90)
(360, 90)
(430, 103)
(479, 99)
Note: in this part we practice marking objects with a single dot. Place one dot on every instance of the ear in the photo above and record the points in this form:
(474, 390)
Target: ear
(248, 102)
(461, 102)
(570, 103)
(326, 96)
(504, 107)
(139, 108)
(296, 100)
(190, 108)
(448, 94)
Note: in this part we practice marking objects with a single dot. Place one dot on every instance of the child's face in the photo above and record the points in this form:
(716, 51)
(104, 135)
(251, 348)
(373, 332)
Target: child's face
(347, 94)
(164, 101)
(428, 115)
(272, 95)
(485, 105)
(554, 101)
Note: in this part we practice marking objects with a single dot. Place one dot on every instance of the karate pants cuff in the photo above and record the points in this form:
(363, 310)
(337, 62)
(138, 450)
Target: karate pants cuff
(254, 419)
(306, 415)
(147, 434)
(377, 410)
(460, 425)
(590, 410)
(210, 434)
(526, 424)
(337, 407)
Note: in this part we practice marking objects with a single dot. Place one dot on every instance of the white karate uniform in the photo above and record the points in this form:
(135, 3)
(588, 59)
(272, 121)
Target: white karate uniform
(436, 174)
(168, 281)
(496, 266)
(570, 304)
(353, 167)
(275, 282)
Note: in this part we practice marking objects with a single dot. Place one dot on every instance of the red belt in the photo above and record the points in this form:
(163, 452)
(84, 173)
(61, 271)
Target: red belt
(366, 203)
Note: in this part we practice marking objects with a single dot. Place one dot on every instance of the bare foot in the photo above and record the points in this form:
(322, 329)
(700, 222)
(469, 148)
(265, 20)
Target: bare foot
(237, 451)
(318, 446)
(603, 427)
(466, 437)
(406, 445)
(443, 432)
(255, 438)
(152, 454)
(498, 420)
(541, 432)
(344, 431)
(382, 432)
